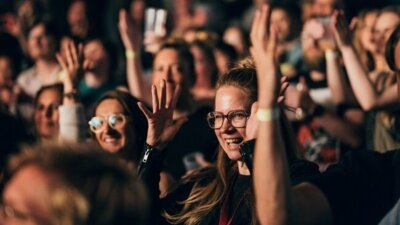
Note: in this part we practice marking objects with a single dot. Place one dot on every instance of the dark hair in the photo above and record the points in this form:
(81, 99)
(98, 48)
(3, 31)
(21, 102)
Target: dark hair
(138, 121)
(184, 55)
(50, 28)
(390, 50)
(93, 186)
(227, 50)
(294, 13)
(111, 52)
(58, 87)
(209, 55)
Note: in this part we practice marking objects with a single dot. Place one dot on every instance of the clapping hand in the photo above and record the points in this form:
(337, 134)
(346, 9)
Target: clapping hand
(340, 29)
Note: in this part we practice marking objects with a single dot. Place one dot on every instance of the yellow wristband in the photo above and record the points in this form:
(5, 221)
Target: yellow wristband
(266, 115)
(331, 54)
(130, 54)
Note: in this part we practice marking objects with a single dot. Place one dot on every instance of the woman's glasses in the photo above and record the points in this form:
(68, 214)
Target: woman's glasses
(237, 118)
(115, 121)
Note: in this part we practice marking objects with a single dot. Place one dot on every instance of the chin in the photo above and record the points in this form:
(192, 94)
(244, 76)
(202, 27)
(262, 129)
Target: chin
(233, 155)
(111, 148)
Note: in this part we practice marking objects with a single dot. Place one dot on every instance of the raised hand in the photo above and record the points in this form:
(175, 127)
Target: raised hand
(264, 50)
(341, 30)
(161, 126)
(130, 33)
(71, 61)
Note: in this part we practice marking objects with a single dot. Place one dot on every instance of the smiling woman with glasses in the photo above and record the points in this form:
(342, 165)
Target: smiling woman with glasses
(119, 126)
(236, 118)
(220, 193)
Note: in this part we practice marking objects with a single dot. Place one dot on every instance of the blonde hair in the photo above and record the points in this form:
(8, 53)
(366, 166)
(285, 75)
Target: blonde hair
(211, 184)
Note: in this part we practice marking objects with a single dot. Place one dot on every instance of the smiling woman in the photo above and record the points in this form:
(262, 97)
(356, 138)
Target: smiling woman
(119, 126)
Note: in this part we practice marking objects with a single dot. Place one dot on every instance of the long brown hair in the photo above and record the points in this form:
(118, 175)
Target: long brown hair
(211, 185)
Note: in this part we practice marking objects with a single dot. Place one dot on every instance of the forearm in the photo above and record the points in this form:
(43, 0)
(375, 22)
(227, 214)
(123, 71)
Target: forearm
(341, 129)
(73, 126)
(138, 87)
(272, 186)
(361, 85)
(336, 82)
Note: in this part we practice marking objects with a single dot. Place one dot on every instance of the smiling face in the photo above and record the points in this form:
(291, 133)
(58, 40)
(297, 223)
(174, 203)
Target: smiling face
(230, 98)
(46, 114)
(110, 139)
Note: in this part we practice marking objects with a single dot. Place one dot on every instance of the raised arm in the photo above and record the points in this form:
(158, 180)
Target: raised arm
(363, 88)
(276, 202)
(271, 199)
(72, 120)
(131, 39)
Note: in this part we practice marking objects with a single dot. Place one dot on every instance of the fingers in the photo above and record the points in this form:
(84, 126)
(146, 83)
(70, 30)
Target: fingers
(284, 86)
(154, 96)
(272, 41)
(61, 61)
(163, 94)
(144, 109)
(175, 98)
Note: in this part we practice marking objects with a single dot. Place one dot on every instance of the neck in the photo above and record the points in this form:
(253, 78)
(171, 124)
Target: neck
(243, 170)
(380, 63)
(44, 66)
(94, 80)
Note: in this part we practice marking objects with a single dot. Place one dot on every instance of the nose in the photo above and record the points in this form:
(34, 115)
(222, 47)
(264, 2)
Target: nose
(168, 75)
(226, 126)
(48, 112)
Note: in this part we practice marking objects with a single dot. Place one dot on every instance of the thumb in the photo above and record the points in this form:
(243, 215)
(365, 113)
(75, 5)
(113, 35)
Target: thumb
(254, 108)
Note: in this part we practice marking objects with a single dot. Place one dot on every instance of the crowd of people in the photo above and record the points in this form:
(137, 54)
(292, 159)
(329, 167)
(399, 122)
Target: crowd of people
(262, 113)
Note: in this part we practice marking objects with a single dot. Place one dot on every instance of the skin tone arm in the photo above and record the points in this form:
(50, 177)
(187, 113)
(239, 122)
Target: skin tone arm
(71, 61)
(276, 202)
(336, 82)
(271, 200)
(362, 86)
(132, 41)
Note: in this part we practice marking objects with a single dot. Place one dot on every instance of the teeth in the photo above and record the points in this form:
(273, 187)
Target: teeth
(234, 140)
(109, 140)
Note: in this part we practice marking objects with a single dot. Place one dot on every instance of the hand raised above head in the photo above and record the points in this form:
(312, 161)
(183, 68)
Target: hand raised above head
(161, 126)
(71, 60)
(130, 33)
(264, 51)
(340, 29)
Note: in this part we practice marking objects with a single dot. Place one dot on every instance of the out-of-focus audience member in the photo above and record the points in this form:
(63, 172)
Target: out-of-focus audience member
(175, 64)
(236, 36)
(203, 90)
(72, 185)
(99, 77)
(376, 92)
(363, 38)
(225, 57)
(42, 45)
(285, 19)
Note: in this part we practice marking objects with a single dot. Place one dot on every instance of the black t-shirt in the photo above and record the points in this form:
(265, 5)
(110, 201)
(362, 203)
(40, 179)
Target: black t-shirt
(363, 187)
(299, 170)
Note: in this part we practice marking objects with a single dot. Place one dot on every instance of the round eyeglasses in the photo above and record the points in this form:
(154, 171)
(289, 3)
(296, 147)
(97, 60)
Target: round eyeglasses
(237, 118)
(115, 121)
